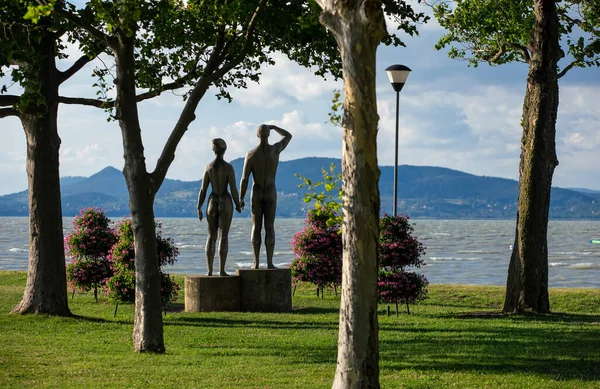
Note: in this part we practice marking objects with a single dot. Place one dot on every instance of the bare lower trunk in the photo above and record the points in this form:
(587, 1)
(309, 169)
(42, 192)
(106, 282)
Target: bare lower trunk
(527, 283)
(148, 325)
(46, 289)
(358, 27)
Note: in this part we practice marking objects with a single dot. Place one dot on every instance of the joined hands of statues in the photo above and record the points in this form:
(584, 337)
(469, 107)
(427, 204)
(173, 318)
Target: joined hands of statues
(239, 208)
(242, 205)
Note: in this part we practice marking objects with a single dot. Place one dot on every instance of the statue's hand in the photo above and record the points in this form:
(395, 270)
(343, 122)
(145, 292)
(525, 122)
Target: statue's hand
(238, 209)
(242, 205)
(200, 214)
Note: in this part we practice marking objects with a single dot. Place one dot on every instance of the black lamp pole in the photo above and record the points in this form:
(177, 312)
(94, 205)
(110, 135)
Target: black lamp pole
(397, 75)
(396, 157)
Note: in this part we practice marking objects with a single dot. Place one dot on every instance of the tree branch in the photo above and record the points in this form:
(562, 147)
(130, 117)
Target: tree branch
(86, 101)
(524, 51)
(77, 66)
(245, 48)
(5, 112)
(94, 32)
(8, 100)
(156, 92)
(566, 69)
(187, 114)
(497, 56)
(14, 62)
(141, 97)
(577, 22)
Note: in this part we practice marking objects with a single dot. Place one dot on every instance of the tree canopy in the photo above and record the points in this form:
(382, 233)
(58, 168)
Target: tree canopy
(499, 31)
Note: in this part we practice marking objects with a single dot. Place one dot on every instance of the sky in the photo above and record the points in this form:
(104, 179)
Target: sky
(450, 115)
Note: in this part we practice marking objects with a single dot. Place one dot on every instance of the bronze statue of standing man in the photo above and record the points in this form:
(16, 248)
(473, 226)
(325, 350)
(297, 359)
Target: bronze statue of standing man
(219, 210)
(262, 163)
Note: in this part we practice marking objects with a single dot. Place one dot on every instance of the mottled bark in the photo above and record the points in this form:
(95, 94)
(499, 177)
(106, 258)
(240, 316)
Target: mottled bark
(358, 27)
(148, 325)
(46, 289)
(527, 283)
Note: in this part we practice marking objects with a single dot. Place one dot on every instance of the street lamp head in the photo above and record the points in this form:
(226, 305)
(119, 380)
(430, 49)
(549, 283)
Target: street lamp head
(397, 75)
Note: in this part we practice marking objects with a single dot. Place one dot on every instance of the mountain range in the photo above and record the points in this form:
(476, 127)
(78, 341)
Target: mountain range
(423, 191)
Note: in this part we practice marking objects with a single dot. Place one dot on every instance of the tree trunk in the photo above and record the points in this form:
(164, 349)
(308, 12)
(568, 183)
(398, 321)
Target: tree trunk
(527, 283)
(46, 289)
(358, 27)
(148, 324)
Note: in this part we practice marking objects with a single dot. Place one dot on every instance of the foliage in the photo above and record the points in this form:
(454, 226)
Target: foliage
(318, 249)
(88, 247)
(394, 286)
(327, 204)
(91, 236)
(398, 247)
(86, 274)
(336, 111)
(499, 31)
(121, 286)
(101, 256)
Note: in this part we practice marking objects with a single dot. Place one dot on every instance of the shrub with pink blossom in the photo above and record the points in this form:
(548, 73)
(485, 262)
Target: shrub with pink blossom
(88, 247)
(401, 286)
(318, 250)
(398, 248)
(318, 247)
(121, 286)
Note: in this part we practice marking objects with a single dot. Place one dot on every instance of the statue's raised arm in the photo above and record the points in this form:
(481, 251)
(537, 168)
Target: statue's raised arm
(282, 144)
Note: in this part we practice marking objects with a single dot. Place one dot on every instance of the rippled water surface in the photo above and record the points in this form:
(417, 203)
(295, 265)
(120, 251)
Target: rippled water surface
(458, 251)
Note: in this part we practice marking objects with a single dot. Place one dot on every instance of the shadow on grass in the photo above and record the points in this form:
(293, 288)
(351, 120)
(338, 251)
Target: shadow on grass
(92, 319)
(554, 317)
(253, 322)
(314, 310)
(554, 353)
(175, 307)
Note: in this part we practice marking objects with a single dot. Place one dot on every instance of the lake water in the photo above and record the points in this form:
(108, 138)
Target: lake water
(458, 251)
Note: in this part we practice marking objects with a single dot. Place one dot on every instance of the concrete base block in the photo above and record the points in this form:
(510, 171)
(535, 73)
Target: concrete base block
(212, 294)
(265, 290)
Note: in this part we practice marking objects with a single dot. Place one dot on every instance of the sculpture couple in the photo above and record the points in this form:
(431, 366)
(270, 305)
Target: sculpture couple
(262, 163)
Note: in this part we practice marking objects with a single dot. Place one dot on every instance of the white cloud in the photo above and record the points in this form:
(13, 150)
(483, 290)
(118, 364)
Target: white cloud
(283, 83)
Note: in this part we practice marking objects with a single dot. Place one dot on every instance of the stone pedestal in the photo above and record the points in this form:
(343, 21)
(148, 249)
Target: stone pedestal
(210, 294)
(265, 290)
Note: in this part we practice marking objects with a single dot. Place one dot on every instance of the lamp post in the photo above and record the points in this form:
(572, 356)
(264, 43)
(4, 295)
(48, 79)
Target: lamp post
(397, 75)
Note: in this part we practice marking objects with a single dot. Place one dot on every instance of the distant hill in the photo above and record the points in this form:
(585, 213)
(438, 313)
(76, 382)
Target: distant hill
(423, 191)
(584, 190)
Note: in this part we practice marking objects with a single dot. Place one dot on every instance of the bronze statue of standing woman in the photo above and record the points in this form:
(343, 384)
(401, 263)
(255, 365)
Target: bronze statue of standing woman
(262, 163)
(219, 210)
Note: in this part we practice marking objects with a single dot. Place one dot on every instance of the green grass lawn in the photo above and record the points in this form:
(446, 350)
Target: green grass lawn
(453, 339)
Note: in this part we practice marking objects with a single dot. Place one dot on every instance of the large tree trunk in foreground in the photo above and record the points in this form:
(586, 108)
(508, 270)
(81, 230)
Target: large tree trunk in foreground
(46, 289)
(358, 27)
(148, 325)
(527, 283)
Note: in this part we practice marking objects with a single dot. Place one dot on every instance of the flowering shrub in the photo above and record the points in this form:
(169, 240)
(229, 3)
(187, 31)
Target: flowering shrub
(318, 247)
(394, 287)
(318, 250)
(88, 247)
(398, 248)
(121, 286)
